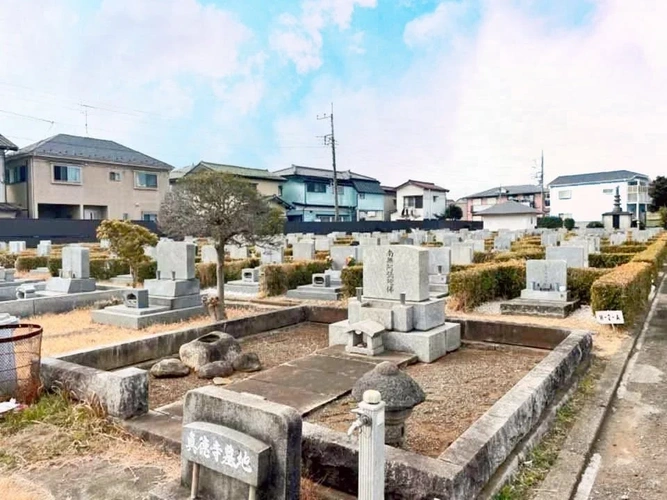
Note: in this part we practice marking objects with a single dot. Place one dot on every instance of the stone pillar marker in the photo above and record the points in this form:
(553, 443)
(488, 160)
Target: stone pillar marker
(370, 422)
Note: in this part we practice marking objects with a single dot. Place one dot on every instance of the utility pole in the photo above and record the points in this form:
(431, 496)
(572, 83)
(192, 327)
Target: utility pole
(542, 182)
(330, 139)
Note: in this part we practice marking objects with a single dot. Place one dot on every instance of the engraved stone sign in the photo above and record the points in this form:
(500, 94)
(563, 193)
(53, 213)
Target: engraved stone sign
(394, 269)
(227, 451)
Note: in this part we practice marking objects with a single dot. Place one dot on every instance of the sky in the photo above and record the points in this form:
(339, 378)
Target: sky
(465, 94)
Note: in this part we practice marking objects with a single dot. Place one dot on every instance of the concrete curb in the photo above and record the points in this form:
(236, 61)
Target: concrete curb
(563, 479)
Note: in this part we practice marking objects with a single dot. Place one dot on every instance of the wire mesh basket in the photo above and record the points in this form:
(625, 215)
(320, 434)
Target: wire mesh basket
(20, 357)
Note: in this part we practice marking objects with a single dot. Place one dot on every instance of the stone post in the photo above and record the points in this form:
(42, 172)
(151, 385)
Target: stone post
(371, 446)
(360, 292)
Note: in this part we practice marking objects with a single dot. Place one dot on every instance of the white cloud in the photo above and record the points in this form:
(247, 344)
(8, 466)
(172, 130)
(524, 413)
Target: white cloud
(299, 39)
(437, 24)
(477, 115)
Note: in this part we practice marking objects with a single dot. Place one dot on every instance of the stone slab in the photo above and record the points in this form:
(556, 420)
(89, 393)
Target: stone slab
(395, 269)
(310, 292)
(290, 376)
(173, 303)
(241, 287)
(542, 308)
(135, 311)
(171, 288)
(70, 285)
(428, 346)
(106, 317)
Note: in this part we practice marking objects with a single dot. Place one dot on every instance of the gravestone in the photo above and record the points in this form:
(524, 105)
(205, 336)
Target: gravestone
(272, 255)
(150, 252)
(575, 256)
(502, 243)
(17, 246)
(439, 261)
(462, 255)
(44, 248)
(549, 239)
(322, 244)
(75, 262)
(401, 270)
(618, 238)
(250, 275)
(341, 254)
(175, 260)
(546, 280)
(477, 245)
(237, 252)
(303, 250)
(209, 255)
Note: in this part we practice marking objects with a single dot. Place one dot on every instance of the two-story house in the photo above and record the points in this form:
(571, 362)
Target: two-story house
(7, 210)
(267, 183)
(419, 200)
(532, 196)
(311, 193)
(585, 197)
(71, 177)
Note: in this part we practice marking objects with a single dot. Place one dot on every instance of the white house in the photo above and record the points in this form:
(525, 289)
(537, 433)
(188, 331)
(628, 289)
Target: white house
(585, 197)
(417, 200)
(509, 215)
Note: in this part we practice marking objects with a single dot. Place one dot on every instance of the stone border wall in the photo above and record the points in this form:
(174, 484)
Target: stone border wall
(60, 303)
(469, 463)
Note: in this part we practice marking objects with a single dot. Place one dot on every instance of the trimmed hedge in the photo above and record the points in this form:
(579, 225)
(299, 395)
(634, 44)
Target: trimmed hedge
(486, 282)
(207, 273)
(580, 281)
(626, 288)
(623, 248)
(28, 263)
(7, 260)
(655, 255)
(100, 269)
(608, 260)
(279, 278)
(351, 278)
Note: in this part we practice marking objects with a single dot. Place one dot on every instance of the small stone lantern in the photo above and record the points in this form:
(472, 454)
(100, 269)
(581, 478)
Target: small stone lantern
(400, 393)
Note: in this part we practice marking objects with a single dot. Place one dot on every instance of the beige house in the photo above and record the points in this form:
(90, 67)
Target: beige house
(71, 177)
(267, 183)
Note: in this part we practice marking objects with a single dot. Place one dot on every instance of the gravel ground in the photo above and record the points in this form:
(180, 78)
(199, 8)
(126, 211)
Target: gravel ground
(273, 348)
(606, 340)
(75, 330)
(459, 387)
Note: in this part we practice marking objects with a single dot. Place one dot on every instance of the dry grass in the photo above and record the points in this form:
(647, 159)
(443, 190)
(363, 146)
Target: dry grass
(76, 330)
(17, 488)
(606, 341)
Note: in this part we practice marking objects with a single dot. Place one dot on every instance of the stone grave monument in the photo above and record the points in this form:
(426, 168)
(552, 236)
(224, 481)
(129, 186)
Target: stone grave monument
(575, 256)
(324, 286)
(462, 255)
(247, 285)
(303, 250)
(439, 266)
(546, 291)
(396, 297)
(209, 255)
(172, 296)
(74, 274)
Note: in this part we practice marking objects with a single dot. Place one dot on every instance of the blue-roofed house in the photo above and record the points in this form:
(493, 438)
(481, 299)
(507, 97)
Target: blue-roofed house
(72, 177)
(310, 193)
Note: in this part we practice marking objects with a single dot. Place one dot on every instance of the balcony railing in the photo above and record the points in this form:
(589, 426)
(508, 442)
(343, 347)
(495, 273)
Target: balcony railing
(638, 194)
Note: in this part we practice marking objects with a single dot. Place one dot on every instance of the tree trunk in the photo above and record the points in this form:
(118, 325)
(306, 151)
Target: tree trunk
(134, 272)
(220, 278)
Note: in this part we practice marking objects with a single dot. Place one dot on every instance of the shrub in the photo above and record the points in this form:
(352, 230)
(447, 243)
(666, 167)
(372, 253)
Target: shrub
(486, 282)
(608, 260)
(626, 288)
(100, 269)
(454, 268)
(482, 257)
(655, 255)
(550, 222)
(351, 278)
(282, 277)
(568, 224)
(25, 263)
(522, 254)
(622, 248)
(7, 259)
(207, 273)
(147, 271)
(580, 281)
(595, 224)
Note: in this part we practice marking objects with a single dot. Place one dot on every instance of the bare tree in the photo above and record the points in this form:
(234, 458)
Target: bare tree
(226, 208)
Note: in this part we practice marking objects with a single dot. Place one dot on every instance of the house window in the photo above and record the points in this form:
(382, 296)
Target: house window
(14, 175)
(144, 180)
(126, 216)
(280, 191)
(608, 191)
(149, 216)
(435, 199)
(66, 173)
(413, 201)
(114, 176)
(316, 187)
(564, 195)
(362, 196)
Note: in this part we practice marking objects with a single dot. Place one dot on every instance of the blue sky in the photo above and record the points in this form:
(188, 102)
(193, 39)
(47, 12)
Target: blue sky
(462, 93)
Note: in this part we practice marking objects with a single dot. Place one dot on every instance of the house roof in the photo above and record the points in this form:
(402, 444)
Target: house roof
(88, 148)
(388, 189)
(343, 175)
(424, 185)
(508, 208)
(252, 173)
(507, 190)
(7, 144)
(595, 178)
(277, 199)
(368, 187)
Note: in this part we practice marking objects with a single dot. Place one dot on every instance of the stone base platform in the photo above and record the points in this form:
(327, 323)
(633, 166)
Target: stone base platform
(128, 317)
(428, 345)
(70, 285)
(543, 308)
(241, 287)
(438, 291)
(122, 280)
(310, 292)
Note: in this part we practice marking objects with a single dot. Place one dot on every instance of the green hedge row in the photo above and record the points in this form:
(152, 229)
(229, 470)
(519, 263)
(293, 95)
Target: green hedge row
(580, 281)
(622, 248)
(207, 273)
(655, 255)
(279, 278)
(486, 282)
(100, 269)
(27, 263)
